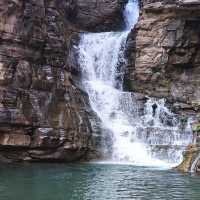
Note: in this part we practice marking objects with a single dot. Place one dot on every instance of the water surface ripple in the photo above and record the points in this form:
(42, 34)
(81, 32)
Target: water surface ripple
(94, 182)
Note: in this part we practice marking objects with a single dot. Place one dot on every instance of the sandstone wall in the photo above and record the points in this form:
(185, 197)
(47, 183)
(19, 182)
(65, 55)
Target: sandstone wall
(98, 15)
(164, 53)
(43, 114)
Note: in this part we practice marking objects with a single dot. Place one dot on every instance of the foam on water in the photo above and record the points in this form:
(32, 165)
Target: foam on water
(134, 137)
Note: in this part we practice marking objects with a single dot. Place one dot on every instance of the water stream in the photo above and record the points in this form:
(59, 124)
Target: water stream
(153, 138)
(194, 164)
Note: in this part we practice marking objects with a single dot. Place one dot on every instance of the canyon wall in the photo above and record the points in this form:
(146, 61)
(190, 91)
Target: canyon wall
(43, 114)
(164, 54)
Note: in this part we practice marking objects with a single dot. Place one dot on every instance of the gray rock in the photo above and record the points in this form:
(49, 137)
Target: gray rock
(163, 52)
(43, 114)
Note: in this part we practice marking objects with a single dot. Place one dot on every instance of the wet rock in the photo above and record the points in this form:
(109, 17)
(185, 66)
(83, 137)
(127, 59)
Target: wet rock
(198, 167)
(189, 156)
(163, 53)
(15, 140)
(43, 114)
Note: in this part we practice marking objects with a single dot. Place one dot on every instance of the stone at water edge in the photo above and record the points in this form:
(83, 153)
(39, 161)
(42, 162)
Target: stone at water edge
(189, 156)
(198, 167)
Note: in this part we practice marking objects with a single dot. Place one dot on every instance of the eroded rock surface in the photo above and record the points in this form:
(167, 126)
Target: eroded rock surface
(98, 15)
(189, 157)
(164, 54)
(43, 114)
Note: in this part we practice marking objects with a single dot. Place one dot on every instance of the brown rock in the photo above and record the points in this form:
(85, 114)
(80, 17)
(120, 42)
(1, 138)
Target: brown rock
(98, 15)
(163, 52)
(42, 112)
(15, 140)
(189, 156)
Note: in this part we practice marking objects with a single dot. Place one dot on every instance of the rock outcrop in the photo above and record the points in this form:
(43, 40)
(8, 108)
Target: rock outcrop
(189, 157)
(164, 58)
(43, 114)
(164, 54)
(97, 15)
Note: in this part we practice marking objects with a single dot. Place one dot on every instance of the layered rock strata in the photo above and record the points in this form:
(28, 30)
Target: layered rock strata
(163, 53)
(43, 114)
(163, 58)
(97, 15)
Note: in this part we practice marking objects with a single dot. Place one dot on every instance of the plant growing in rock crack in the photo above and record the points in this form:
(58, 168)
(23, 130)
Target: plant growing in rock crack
(196, 127)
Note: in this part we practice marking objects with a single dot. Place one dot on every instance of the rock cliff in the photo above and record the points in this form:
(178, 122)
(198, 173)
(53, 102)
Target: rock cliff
(164, 57)
(43, 114)
(97, 15)
(163, 53)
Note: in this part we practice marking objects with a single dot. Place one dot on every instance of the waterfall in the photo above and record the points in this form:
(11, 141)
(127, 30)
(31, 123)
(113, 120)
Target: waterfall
(194, 164)
(153, 138)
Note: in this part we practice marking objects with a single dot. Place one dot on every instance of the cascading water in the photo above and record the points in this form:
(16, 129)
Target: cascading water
(153, 138)
(194, 164)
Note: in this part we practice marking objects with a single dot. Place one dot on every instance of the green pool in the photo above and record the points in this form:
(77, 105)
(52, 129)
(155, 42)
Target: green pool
(94, 182)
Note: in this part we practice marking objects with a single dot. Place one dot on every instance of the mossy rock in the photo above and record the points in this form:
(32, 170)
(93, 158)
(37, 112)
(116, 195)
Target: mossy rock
(196, 127)
(166, 83)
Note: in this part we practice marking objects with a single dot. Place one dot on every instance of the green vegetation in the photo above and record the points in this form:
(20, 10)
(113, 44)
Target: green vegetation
(196, 127)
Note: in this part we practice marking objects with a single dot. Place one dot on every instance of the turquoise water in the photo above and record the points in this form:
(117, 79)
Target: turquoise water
(94, 182)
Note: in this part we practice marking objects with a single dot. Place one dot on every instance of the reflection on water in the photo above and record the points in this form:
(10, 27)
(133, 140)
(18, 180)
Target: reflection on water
(94, 182)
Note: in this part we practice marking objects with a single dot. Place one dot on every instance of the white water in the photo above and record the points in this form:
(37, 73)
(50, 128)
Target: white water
(135, 138)
(194, 164)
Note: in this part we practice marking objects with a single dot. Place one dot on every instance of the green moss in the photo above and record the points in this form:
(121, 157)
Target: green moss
(166, 83)
(196, 127)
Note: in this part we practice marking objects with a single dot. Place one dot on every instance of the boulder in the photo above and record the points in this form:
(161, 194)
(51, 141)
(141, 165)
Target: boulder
(189, 156)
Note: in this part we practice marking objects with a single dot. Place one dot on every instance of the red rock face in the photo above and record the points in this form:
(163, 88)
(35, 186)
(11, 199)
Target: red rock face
(43, 115)
(164, 53)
